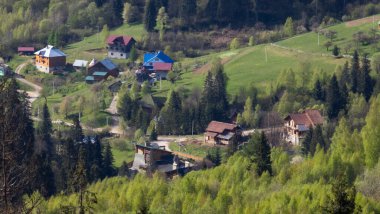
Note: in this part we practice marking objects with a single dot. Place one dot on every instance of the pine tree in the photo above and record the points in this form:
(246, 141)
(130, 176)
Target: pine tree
(355, 69)
(149, 15)
(333, 98)
(108, 169)
(258, 150)
(318, 93)
(345, 76)
(220, 85)
(46, 129)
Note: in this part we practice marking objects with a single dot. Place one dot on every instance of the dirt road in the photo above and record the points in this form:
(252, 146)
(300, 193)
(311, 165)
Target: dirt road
(33, 95)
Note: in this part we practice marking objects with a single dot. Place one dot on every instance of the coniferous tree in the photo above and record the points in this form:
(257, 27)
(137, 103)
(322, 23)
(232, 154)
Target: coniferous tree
(318, 92)
(336, 51)
(162, 22)
(258, 150)
(171, 117)
(108, 169)
(333, 98)
(220, 84)
(124, 169)
(365, 85)
(306, 143)
(46, 129)
(150, 15)
(343, 195)
(345, 76)
(96, 160)
(16, 146)
(355, 69)
(76, 131)
(153, 135)
(118, 6)
(44, 179)
(187, 10)
(317, 139)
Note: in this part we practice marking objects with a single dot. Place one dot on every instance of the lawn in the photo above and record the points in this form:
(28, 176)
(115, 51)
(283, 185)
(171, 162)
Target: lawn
(309, 42)
(249, 66)
(122, 150)
(195, 149)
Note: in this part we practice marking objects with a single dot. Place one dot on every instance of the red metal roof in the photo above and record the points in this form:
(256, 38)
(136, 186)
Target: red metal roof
(162, 66)
(25, 49)
(220, 127)
(125, 40)
(308, 118)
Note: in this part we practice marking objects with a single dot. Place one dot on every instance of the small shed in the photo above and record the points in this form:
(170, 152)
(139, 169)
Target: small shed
(28, 51)
(80, 64)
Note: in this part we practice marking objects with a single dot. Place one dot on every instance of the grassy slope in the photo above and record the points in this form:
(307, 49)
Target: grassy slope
(309, 42)
(89, 47)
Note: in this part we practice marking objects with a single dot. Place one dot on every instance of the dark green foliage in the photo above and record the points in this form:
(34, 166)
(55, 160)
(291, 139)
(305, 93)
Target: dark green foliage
(336, 51)
(306, 143)
(44, 179)
(333, 98)
(318, 92)
(108, 160)
(365, 82)
(153, 135)
(150, 15)
(45, 131)
(317, 139)
(133, 54)
(76, 131)
(258, 151)
(117, 6)
(171, 115)
(342, 200)
(355, 69)
(124, 169)
(345, 76)
(214, 156)
(187, 12)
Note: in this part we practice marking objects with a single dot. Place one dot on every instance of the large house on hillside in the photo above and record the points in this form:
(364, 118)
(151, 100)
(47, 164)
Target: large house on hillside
(158, 64)
(149, 158)
(101, 70)
(119, 47)
(297, 124)
(221, 133)
(50, 59)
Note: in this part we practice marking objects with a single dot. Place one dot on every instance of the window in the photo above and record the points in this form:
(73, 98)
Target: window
(121, 54)
(111, 54)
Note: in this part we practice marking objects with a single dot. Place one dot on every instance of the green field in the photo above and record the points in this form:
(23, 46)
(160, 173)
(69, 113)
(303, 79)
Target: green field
(309, 42)
(199, 150)
(249, 66)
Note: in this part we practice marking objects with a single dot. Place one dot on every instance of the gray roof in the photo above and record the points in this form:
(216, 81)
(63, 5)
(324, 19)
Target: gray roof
(80, 63)
(108, 64)
(50, 51)
(227, 136)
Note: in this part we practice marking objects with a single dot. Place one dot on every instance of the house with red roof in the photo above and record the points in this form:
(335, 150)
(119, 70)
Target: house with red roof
(221, 133)
(159, 64)
(119, 47)
(297, 124)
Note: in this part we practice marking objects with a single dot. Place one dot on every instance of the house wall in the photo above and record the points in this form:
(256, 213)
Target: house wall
(161, 74)
(47, 65)
(117, 54)
(209, 139)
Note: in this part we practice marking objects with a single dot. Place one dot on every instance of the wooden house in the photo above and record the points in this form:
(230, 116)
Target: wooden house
(297, 124)
(27, 51)
(101, 70)
(119, 47)
(221, 133)
(50, 59)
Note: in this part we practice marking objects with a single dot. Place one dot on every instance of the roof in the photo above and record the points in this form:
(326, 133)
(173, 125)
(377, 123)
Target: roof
(307, 118)
(99, 73)
(220, 127)
(108, 64)
(50, 51)
(25, 49)
(227, 136)
(125, 40)
(162, 66)
(90, 78)
(160, 55)
(80, 63)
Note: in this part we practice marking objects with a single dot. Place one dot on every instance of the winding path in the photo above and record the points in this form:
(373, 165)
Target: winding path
(33, 95)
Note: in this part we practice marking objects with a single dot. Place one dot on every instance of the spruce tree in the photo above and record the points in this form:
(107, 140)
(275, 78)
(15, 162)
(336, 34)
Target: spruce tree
(149, 15)
(317, 139)
(16, 143)
(171, 114)
(96, 160)
(45, 130)
(108, 169)
(355, 69)
(365, 85)
(306, 143)
(207, 100)
(345, 76)
(333, 98)
(258, 150)
(342, 199)
(76, 131)
(187, 10)
(220, 85)
(318, 92)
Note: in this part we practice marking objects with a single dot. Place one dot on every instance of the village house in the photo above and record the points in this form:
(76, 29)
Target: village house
(119, 47)
(297, 124)
(159, 64)
(27, 51)
(221, 133)
(50, 59)
(101, 70)
(4, 70)
(150, 158)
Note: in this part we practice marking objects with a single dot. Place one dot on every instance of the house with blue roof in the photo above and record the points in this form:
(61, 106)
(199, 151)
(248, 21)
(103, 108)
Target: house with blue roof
(158, 63)
(101, 70)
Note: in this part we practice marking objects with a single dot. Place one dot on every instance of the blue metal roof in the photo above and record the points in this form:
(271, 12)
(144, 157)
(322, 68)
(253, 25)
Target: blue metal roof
(108, 64)
(90, 78)
(99, 73)
(160, 55)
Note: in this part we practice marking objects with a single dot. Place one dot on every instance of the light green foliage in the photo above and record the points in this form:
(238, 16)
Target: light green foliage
(105, 32)
(235, 44)
(162, 22)
(375, 62)
(371, 134)
(248, 114)
(289, 27)
(251, 41)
